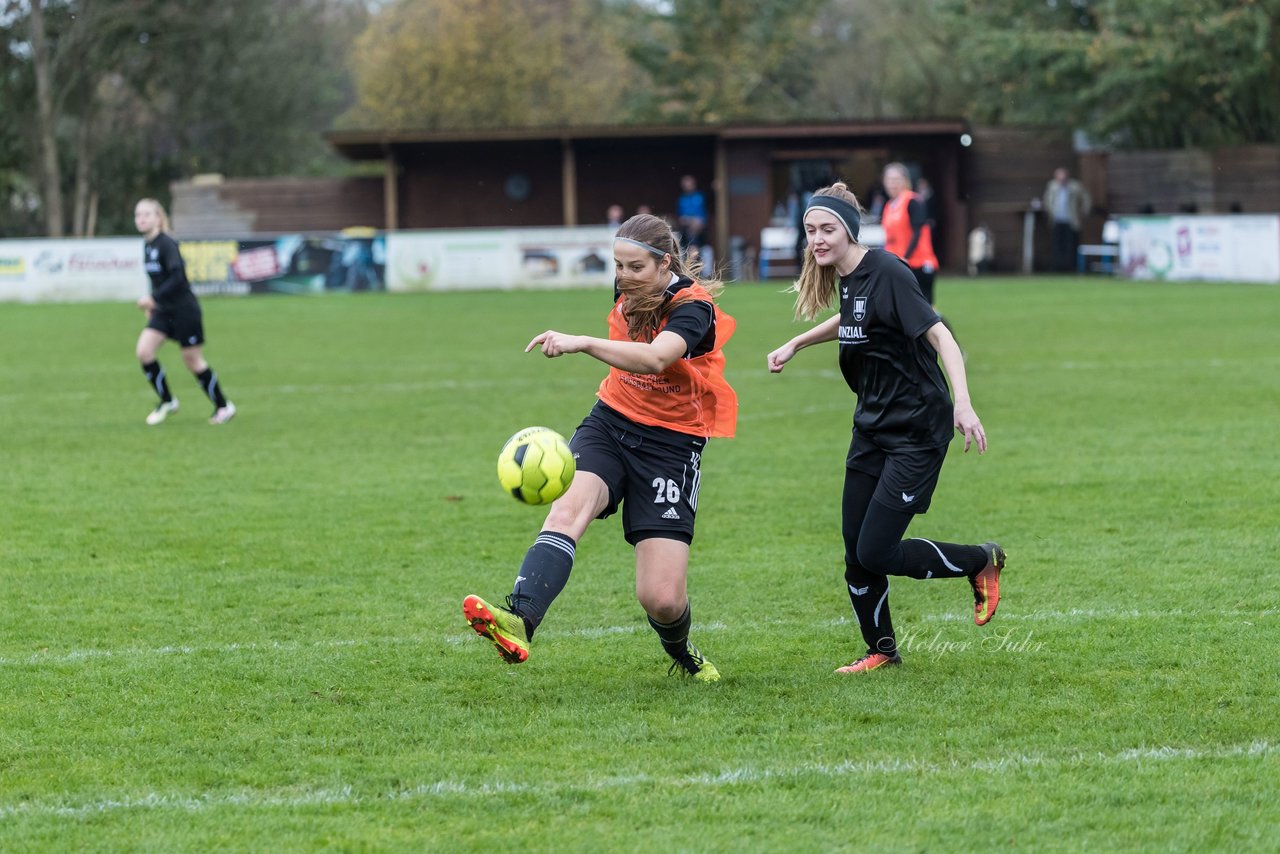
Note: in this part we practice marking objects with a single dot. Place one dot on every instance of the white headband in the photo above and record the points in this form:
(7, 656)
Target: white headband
(655, 250)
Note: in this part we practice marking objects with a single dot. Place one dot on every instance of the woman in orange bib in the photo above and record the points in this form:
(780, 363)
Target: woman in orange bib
(908, 233)
(639, 449)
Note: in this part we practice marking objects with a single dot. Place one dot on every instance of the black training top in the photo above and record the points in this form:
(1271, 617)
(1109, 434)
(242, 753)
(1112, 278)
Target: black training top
(903, 400)
(163, 262)
(694, 320)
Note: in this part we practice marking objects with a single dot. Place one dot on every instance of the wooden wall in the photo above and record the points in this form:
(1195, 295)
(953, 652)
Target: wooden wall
(1005, 169)
(1159, 181)
(1163, 182)
(275, 205)
(998, 177)
(445, 186)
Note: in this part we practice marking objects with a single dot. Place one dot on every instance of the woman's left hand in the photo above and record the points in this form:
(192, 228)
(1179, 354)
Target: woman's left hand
(147, 303)
(968, 423)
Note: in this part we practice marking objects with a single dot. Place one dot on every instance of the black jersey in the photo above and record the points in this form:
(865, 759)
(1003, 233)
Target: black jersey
(903, 399)
(163, 262)
(692, 320)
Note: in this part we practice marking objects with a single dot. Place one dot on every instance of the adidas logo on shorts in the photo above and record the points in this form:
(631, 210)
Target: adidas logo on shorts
(671, 514)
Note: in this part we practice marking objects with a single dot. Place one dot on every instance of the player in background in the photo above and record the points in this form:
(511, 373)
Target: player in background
(172, 312)
(639, 448)
(908, 233)
(890, 340)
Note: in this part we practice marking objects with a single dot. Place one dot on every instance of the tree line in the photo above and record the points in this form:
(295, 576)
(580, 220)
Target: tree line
(108, 100)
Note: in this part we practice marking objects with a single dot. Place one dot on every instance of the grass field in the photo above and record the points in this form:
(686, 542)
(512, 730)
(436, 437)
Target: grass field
(248, 637)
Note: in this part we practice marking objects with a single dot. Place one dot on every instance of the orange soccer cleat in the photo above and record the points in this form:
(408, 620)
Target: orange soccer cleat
(871, 661)
(986, 584)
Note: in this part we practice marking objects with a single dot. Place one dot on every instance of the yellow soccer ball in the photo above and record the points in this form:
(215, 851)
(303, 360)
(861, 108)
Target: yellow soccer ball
(536, 465)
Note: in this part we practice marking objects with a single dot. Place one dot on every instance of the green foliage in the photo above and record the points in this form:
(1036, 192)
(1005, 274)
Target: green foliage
(711, 61)
(249, 637)
(461, 64)
(246, 87)
(1163, 74)
(146, 91)
(886, 60)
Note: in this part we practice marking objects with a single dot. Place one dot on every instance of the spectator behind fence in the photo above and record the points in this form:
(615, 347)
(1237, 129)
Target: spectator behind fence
(614, 216)
(1066, 202)
(691, 214)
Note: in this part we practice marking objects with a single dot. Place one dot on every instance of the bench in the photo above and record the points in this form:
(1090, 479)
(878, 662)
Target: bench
(1097, 258)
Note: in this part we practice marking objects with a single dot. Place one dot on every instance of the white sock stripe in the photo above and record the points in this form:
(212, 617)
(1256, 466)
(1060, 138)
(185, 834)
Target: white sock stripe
(876, 615)
(555, 542)
(948, 564)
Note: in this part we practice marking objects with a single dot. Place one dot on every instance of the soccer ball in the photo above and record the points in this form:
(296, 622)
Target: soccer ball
(536, 465)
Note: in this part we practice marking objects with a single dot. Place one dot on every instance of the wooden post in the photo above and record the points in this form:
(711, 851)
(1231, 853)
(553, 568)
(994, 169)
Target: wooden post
(721, 186)
(569, 181)
(390, 200)
(1029, 241)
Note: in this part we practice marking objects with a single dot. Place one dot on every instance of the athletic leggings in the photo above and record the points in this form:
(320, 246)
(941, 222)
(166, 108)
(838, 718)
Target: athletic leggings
(874, 549)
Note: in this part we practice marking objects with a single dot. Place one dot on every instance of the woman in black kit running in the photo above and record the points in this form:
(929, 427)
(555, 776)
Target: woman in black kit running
(172, 312)
(890, 340)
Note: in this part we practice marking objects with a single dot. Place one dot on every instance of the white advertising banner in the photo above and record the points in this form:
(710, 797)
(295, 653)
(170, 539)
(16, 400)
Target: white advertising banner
(111, 268)
(475, 259)
(1233, 248)
(108, 268)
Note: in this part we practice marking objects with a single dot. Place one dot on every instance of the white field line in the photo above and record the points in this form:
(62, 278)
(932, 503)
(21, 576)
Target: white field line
(1072, 615)
(415, 388)
(741, 775)
(1049, 615)
(445, 384)
(463, 636)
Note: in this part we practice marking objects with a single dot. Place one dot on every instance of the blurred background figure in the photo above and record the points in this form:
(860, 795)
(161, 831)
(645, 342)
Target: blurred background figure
(907, 231)
(876, 198)
(1066, 202)
(924, 191)
(614, 216)
(982, 250)
(691, 214)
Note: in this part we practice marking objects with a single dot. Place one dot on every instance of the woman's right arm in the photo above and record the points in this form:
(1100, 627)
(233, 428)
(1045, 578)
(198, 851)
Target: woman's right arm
(825, 331)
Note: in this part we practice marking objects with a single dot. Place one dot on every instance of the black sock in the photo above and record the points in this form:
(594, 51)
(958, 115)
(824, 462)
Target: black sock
(209, 382)
(156, 377)
(923, 558)
(882, 550)
(869, 595)
(674, 636)
(543, 575)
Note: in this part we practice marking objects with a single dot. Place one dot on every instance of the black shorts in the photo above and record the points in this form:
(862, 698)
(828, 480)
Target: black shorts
(652, 473)
(184, 325)
(907, 476)
(925, 281)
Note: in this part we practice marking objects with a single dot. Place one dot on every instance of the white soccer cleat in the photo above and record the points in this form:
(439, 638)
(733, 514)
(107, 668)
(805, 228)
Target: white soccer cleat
(161, 412)
(223, 414)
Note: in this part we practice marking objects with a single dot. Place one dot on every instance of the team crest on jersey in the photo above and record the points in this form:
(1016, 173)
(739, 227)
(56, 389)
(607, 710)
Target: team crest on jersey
(859, 308)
